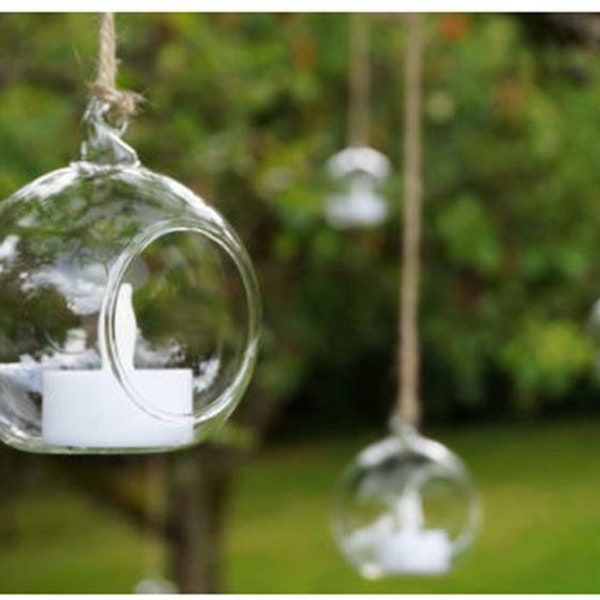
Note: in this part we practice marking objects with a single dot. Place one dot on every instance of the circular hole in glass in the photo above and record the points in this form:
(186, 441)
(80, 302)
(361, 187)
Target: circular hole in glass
(189, 312)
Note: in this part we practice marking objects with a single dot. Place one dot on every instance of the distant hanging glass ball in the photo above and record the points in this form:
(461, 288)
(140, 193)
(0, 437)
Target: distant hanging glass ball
(405, 506)
(358, 172)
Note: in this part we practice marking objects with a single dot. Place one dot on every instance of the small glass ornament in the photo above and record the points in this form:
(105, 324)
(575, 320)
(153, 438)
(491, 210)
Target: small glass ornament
(594, 331)
(155, 585)
(405, 506)
(129, 313)
(358, 172)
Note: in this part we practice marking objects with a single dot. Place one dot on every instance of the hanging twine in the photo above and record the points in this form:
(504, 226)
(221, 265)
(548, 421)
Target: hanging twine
(360, 80)
(408, 404)
(122, 103)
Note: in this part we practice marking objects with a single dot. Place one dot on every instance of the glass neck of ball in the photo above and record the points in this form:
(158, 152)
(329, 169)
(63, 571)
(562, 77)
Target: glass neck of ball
(403, 430)
(103, 145)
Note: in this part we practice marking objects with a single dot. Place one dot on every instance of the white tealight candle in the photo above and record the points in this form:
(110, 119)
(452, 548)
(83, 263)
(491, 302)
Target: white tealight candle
(412, 549)
(425, 551)
(89, 408)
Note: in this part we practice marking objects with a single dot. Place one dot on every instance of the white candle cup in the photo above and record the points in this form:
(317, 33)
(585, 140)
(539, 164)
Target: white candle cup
(91, 409)
(424, 551)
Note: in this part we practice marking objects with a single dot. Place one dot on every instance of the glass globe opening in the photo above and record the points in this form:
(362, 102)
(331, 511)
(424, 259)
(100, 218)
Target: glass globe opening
(192, 311)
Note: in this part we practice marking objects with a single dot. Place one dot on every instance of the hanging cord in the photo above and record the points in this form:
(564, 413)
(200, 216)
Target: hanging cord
(359, 81)
(122, 102)
(408, 405)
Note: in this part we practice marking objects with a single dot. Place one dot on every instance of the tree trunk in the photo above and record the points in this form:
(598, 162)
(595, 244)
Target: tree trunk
(199, 490)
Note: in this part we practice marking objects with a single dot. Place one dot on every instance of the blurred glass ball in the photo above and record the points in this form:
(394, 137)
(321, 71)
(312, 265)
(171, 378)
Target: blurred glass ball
(358, 172)
(406, 505)
(155, 585)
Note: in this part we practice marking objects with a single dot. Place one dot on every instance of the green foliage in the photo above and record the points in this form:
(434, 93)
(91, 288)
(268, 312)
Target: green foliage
(513, 214)
(247, 108)
(547, 357)
(469, 236)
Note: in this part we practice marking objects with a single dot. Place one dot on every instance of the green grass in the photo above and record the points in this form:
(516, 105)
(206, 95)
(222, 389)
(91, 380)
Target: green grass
(540, 487)
(62, 544)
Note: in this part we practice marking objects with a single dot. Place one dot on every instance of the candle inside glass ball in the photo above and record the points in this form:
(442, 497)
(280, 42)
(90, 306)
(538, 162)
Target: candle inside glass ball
(357, 172)
(405, 505)
(108, 417)
(84, 369)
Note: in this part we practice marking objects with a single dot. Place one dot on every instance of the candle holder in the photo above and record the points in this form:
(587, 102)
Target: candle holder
(358, 171)
(129, 312)
(405, 506)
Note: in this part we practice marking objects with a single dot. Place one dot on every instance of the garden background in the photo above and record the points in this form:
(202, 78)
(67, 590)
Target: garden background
(246, 109)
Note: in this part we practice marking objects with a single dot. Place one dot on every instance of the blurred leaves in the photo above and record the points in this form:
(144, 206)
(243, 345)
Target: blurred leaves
(546, 357)
(469, 236)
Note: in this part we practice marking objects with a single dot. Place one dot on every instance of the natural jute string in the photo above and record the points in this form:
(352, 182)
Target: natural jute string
(105, 88)
(360, 81)
(408, 404)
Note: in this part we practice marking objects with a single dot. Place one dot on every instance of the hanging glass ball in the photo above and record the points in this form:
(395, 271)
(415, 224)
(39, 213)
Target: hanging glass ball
(405, 506)
(129, 313)
(358, 172)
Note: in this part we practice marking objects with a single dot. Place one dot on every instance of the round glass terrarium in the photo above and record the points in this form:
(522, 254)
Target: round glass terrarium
(129, 312)
(405, 506)
(358, 172)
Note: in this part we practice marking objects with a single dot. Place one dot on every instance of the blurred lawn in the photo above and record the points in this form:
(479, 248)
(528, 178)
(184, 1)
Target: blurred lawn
(540, 485)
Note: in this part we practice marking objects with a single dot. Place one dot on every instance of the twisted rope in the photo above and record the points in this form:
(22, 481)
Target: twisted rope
(408, 402)
(122, 102)
(360, 81)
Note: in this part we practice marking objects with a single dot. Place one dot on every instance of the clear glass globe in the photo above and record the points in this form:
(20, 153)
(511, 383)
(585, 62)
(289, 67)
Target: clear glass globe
(405, 506)
(357, 172)
(129, 313)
